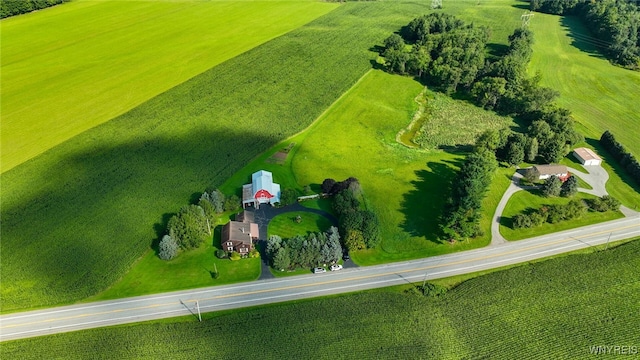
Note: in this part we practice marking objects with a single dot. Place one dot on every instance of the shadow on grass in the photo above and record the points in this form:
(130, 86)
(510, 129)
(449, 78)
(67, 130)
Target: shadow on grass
(423, 206)
(581, 37)
(524, 5)
(101, 208)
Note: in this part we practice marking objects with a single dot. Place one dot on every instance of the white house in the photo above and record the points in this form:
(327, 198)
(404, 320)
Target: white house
(587, 157)
(262, 190)
(546, 171)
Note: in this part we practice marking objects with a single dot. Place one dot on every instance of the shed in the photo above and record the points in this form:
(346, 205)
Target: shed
(587, 157)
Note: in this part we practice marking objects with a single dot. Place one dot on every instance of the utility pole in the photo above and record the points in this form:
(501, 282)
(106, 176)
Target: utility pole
(607, 246)
(526, 18)
(198, 307)
(436, 4)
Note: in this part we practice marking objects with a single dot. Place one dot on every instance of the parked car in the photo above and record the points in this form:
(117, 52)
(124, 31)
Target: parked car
(345, 256)
(319, 270)
(335, 267)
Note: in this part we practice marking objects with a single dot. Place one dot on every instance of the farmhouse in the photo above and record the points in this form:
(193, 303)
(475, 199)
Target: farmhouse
(587, 157)
(546, 171)
(262, 190)
(239, 235)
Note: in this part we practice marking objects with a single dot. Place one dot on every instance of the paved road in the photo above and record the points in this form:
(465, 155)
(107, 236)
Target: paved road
(121, 311)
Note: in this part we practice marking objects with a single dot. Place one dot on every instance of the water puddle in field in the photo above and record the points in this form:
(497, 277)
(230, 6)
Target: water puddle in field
(406, 135)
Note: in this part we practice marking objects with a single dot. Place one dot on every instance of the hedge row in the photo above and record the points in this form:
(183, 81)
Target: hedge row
(17, 7)
(622, 156)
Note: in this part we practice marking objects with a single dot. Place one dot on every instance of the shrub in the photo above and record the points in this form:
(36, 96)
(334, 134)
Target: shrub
(254, 254)
(521, 221)
(433, 290)
(288, 196)
(232, 203)
(235, 256)
(168, 248)
(221, 254)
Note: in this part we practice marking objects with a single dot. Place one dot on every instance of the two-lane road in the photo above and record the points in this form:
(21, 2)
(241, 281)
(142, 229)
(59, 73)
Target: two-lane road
(121, 311)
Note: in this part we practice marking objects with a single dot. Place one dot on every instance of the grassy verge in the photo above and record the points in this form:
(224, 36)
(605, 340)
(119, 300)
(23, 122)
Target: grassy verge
(486, 317)
(79, 73)
(525, 199)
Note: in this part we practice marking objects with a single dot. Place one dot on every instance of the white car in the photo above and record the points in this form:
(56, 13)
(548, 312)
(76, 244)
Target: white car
(319, 270)
(335, 267)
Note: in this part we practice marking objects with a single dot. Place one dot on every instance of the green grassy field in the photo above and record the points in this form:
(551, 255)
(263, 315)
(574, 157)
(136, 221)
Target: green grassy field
(523, 200)
(445, 114)
(97, 201)
(98, 59)
(403, 186)
(536, 311)
(600, 95)
(285, 225)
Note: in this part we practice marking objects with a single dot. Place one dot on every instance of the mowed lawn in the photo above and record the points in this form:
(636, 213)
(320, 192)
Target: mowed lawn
(553, 309)
(600, 95)
(71, 67)
(406, 187)
(523, 200)
(78, 216)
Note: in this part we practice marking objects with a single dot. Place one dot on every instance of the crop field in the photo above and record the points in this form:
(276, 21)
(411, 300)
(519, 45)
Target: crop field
(77, 217)
(533, 311)
(99, 59)
(525, 199)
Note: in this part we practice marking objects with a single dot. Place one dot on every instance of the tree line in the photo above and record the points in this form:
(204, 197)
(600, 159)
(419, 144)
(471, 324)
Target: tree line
(615, 23)
(17, 7)
(461, 218)
(304, 251)
(556, 213)
(194, 223)
(444, 52)
(626, 159)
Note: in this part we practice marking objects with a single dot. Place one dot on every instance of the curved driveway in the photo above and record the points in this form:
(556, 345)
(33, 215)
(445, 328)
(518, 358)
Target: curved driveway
(597, 178)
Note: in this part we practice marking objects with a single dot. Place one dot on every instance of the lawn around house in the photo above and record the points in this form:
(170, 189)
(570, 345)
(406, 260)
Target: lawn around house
(525, 199)
(54, 83)
(286, 226)
(191, 269)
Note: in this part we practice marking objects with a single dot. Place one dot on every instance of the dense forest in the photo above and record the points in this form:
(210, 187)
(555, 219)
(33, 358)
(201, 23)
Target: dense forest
(17, 7)
(615, 24)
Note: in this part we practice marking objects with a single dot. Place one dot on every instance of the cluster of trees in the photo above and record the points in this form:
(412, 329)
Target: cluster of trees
(194, 223)
(447, 53)
(17, 7)
(444, 51)
(332, 187)
(556, 213)
(462, 213)
(305, 252)
(615, 23)
(551, 214)
(621, 155)
(553, 186)
(360, 228)
(547, 140)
